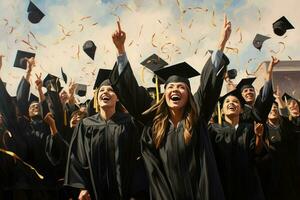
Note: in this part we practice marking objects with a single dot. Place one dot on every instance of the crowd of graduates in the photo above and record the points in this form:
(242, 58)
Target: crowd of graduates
(125, 144)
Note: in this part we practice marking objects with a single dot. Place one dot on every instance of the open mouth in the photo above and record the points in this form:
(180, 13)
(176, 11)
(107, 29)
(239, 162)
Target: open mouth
(105, 98)
(175, 97)
(231, 107)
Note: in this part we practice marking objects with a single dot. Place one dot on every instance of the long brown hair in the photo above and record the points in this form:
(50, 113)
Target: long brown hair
(160, 121)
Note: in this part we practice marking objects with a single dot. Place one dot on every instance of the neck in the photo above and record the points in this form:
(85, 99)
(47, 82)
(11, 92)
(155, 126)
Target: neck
(176, 116)
(232, 120)
(273, 122)
(107, 113)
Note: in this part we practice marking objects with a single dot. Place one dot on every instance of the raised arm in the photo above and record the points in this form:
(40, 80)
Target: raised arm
(134, 97)
(264, 100)
(212, 76)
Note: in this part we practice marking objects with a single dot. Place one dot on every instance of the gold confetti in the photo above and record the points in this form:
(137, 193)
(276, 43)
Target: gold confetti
(241, 38)
(81, 27)
(11, 30)
(190, 26)
(86, 17)
(94, 24)
(126, 6)
(234, 50)
(290, 57)
(140, 31)
(130, 43)
(213, 19)
(6, 21)
(259, 15)
(152, 40)
(78, 51)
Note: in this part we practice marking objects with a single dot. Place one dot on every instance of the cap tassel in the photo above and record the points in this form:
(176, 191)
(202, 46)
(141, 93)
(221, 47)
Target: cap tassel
(65, 118)
(219, 114)
(96, 106)
(156, 89)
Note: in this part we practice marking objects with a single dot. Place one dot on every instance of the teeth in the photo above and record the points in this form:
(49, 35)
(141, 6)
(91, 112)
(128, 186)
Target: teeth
(175, 97)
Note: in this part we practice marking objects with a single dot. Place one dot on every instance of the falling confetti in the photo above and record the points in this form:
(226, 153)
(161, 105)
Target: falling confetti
(86, 17)
(213, 19)
(81, 27)
(130, 43)
(152, 40)
(141, 29)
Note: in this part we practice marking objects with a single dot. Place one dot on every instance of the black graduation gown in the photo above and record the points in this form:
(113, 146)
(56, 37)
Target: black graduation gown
(277, 167)
(12, 174)
(262, 106)
(104, 158)
(177, 170)
(234, 152)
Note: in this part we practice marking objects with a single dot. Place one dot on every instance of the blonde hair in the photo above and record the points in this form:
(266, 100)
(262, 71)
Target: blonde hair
(160, 121)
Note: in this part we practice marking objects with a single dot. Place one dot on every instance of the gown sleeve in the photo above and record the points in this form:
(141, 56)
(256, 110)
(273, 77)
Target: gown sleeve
(23, 96)
(135, 98)
(210, 87)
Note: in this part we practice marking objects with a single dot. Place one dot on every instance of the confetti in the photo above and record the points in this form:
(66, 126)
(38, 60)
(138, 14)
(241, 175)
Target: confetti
(130, 43)
(86, 17)
(81, 27)
(213, 19)
(234, 50)
(140, 31)
(152, 40)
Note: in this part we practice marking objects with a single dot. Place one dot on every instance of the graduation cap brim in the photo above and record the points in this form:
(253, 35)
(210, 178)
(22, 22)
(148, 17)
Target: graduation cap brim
(33, 98)
(103, 74)
(20, 60)
(89, 48)
(281, 25)
(235, 93)
(154, 62)
(259, 40)
(182, 69)
(245, 83)
(35, 15)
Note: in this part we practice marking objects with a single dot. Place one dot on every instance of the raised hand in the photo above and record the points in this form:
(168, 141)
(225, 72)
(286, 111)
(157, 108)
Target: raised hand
(225, 33)
(84, 195)
(119, 38)
(30, 63)
(258, 129)
(38, 81)
(273, 62)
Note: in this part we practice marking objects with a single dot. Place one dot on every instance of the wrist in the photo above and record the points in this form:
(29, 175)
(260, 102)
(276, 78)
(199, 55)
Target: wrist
(121, 50)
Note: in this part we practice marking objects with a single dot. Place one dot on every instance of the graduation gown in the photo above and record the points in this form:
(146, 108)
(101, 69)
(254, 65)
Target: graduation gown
(234, 152)
(104, 158)
(177, 170)
(277, 167)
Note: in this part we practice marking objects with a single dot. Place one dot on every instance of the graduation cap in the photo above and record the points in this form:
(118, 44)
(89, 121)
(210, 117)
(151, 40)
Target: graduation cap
(89, 48)
(33, 98)
(51, 81)
(81, 90)
(65, 78)
(259, 40)
(154, 62)
(103, 74)
(35, 15)
(180, 72)
(281, 25)
(286, 97)
(235, 93)
(20, 60)
(232, 73)
(245, 83)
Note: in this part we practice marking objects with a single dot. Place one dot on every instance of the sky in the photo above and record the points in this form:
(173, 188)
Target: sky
(176, 30)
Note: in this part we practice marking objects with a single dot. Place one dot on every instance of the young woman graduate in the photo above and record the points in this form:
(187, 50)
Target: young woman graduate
(103, 159)
(235, 145)
(175, 146)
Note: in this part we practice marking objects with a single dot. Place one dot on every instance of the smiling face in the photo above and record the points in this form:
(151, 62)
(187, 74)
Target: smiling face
(34, 109)
(107, 98)
(232, 106)
(249, 95)
(274, 113)
(63, 95)
(293, 107)
(176, 95)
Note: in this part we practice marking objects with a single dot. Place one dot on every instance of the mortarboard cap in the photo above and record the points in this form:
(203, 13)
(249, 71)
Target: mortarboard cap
(235, 93)
(154, 62)
(20, 60)
(259, 40)
(287, 97)
(245, 83)
(89, 48)
(33, 98)
(281, 25)
(103, 74)
(232, 73)
(52, 82)
(35, 15)
(180, 72)
(81, 90)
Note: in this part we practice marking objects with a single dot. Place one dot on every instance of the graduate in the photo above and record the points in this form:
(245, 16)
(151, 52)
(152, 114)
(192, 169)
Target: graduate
(104, 159)
(257, 107)
(175, 146)
(277, 167)
(235, 144)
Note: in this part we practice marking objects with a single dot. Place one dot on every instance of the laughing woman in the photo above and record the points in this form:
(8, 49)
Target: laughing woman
(175, 146)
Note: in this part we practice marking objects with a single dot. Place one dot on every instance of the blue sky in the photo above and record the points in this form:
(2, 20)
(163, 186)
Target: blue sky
(189, 34)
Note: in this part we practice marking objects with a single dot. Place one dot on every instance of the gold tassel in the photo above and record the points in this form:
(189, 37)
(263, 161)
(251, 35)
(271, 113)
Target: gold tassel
(16, 157)
(219, 114)
(157, 88)
(96, 106)
(65, 118)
